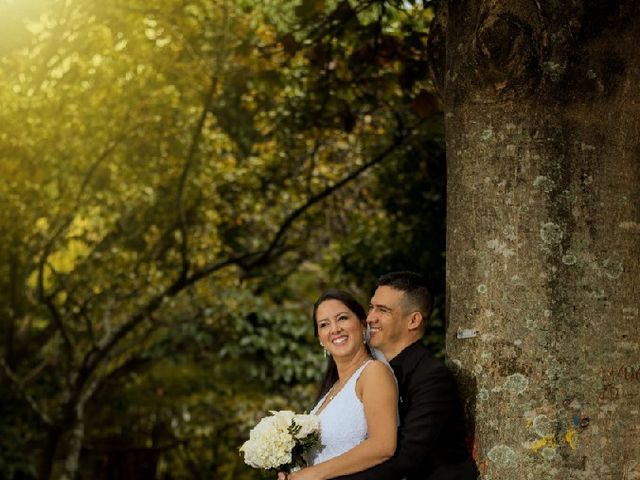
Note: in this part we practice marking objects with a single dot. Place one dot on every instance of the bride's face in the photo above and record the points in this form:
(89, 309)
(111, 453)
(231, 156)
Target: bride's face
(339, 329)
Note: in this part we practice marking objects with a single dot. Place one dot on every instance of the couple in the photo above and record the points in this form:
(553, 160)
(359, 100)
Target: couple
(375, 426)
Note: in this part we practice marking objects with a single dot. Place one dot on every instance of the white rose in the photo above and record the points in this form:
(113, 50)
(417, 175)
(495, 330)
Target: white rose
(270, 443)
(309, 424)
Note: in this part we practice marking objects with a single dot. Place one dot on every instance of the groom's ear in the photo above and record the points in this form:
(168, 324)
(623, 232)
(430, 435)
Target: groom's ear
(415, 321)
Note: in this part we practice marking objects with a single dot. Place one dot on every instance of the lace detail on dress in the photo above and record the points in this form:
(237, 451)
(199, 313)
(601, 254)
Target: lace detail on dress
(343, 424)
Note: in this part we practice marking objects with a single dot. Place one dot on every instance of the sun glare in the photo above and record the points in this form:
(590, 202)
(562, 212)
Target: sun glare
(19, 19)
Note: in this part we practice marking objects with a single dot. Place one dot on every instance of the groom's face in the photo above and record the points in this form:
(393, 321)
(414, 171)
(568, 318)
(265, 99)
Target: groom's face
(386, 320)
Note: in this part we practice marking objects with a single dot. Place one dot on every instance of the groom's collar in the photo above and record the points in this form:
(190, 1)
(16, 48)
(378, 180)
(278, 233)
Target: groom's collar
(406, 353)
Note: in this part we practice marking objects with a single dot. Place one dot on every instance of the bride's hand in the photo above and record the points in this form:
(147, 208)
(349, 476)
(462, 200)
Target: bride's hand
(282, 476)
(305, 474)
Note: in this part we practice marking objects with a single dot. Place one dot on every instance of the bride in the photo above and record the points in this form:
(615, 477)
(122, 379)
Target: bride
(357, 403)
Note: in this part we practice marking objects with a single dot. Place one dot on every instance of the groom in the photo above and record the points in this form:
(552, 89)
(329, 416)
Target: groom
(431, 432)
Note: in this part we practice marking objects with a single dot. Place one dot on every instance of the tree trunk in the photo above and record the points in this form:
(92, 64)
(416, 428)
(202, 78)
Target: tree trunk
(45, 469)
(542, 105)
(61, 455)
(73, 446)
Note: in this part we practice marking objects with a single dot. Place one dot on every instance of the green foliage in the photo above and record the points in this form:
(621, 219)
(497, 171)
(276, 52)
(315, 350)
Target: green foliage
(367, 72)
(272, 345)
(16, 439)
(407, 232)
(303, 445)
(179, 183)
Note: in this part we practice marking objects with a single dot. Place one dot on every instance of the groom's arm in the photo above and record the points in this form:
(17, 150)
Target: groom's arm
(432, 395)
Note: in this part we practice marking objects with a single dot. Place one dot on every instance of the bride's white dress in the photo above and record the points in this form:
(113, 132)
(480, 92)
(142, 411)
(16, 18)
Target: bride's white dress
(343, 424)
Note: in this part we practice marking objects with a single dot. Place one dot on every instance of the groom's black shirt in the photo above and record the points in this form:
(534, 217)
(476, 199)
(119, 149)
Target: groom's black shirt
(431, 432)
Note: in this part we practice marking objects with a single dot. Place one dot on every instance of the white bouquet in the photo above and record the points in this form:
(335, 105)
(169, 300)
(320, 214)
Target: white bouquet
(280, 441)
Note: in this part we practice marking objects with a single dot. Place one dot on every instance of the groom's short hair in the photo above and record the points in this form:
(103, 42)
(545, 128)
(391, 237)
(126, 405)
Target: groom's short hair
(417, 294)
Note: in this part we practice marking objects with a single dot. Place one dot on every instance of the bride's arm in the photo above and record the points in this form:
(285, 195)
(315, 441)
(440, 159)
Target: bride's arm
(378, 391)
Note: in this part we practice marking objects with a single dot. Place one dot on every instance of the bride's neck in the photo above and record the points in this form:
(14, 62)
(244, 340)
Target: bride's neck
(346, 366)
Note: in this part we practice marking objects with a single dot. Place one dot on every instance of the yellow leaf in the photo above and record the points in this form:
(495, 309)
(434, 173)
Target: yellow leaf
(42, 224)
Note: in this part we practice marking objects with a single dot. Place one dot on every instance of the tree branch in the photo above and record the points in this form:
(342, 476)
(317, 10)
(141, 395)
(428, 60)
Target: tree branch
(19, 386)
(436, 46)
(246, 261)
(193, 149)
(34, 372)
(47, 300)
(189, 164)
(317, 198)
(95, 356)
(56, 316)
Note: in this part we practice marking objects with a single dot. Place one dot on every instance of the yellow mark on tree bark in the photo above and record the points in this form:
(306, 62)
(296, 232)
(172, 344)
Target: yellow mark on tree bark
(571, 437)
(546, 441)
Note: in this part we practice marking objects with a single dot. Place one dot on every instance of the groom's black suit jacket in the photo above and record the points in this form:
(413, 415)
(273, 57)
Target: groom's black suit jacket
(431, 432)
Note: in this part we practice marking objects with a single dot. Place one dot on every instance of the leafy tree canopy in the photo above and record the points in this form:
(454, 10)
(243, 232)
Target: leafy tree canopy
(180, 181)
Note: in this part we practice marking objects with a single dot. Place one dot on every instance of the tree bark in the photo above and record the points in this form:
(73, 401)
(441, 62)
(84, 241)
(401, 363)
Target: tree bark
(73, 445)
(45, 467)
(61, 455)
(542, 123)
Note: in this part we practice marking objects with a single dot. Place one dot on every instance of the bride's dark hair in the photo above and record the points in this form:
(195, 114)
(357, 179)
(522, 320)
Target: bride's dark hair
(331, 374)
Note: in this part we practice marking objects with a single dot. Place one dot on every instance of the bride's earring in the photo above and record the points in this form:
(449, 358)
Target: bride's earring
(324, 350)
